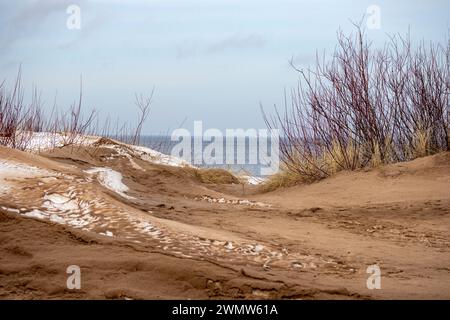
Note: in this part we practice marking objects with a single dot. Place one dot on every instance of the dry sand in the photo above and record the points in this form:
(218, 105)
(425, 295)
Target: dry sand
(140, 230)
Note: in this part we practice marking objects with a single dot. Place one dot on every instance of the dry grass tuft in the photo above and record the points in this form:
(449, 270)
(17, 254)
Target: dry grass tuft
(283, 179)
(212, 176)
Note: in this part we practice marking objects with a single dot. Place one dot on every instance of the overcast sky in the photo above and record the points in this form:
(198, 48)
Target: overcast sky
(210, 60)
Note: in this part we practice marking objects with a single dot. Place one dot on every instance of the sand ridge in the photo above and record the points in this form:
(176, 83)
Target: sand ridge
(311, 241)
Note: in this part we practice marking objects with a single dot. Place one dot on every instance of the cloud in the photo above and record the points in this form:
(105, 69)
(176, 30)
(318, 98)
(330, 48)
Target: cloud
(28, 19)
(36, 11)
(237, 42)
(187, 50)
(234, 42)
(88, 28)
(303, 59)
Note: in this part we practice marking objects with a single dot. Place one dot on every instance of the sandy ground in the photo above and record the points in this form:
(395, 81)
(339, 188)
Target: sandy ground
(140, 230)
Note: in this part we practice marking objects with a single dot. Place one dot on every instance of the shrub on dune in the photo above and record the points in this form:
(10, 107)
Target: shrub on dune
(365, 107)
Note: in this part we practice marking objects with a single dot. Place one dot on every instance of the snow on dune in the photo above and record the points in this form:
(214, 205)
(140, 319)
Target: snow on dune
(35, 214)
(157, 157)
(146, 154)
(57, 215)
(110, 179)
(154, 156)
(107, 233)
(15, 169)
(41, 141)
(254, 180)
(58, 202)
(11, 170)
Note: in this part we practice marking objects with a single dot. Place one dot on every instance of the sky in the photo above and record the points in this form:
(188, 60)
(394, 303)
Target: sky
(209, 60)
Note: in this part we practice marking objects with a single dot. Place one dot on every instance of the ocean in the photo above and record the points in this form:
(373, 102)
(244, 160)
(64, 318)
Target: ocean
(246, 148)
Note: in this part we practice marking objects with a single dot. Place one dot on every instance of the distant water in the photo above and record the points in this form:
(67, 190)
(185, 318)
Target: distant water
(164, 145)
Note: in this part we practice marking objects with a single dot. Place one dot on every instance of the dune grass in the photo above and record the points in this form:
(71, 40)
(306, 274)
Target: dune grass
(212, 175)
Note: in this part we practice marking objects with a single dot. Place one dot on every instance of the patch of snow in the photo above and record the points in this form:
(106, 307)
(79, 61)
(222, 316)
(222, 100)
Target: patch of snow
(254, 180)
(58, 202)
(229, 246)
(11, 209)
(110, 179)
(57, 219)
(10, 170)
(56, 198)
(154, 156)
(122, 151)
(75, 219)
(146, 154)
(15, 169)
(258, 248)
(80, 222)
(36, 214)
(148, 228)
(40, 141)
(107, 233)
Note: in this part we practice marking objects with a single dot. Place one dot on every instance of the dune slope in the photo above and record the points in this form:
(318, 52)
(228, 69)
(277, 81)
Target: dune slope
(139, 228)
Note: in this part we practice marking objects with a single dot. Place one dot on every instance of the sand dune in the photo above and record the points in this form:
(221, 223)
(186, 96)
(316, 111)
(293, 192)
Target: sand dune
(140, 226)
